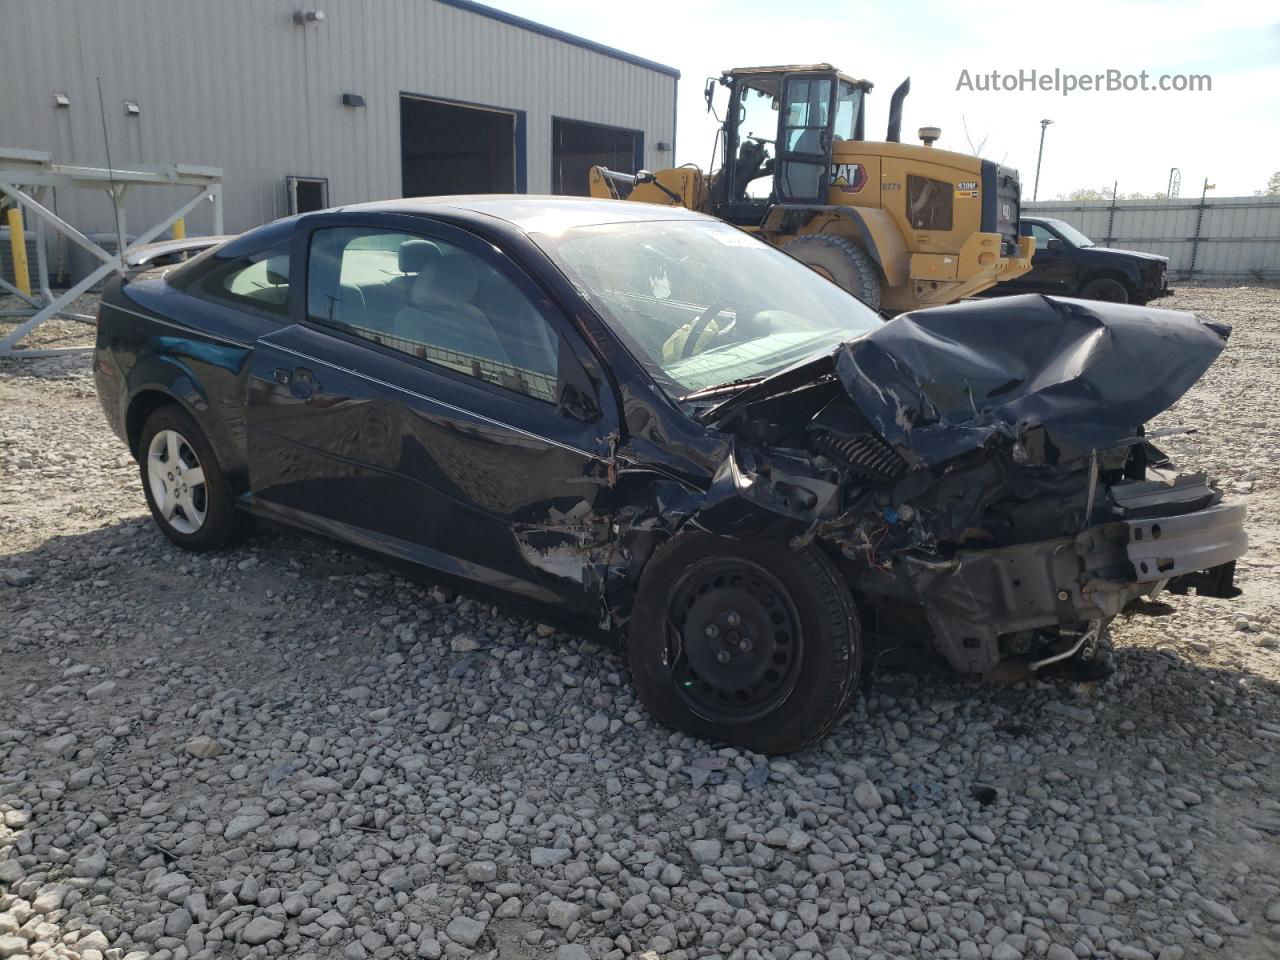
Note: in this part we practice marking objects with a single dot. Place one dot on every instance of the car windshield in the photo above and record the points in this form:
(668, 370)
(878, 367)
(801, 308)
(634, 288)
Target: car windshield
(701, 303)
(1071, 234)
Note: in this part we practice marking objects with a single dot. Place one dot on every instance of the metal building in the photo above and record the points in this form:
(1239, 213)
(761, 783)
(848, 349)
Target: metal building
(313, 103)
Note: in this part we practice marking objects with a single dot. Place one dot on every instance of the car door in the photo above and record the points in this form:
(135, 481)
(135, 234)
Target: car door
(429, 402)
(1052, 268)
(803, 163)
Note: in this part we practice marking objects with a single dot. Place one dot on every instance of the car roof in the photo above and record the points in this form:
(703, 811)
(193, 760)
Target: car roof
(531, 213)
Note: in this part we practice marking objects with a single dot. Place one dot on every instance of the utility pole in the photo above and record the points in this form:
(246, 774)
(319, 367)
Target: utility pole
(1044, 125)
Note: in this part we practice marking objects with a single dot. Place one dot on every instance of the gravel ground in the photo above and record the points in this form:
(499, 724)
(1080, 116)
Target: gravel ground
(286, 751)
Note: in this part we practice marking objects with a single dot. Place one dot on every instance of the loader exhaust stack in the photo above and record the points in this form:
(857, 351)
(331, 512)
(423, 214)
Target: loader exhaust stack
(895, 111)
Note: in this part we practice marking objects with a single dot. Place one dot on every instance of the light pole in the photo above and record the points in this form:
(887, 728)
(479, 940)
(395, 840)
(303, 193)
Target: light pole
(1044, 125)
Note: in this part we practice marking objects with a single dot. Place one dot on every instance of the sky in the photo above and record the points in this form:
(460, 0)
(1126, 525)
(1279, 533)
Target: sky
(1229, 134)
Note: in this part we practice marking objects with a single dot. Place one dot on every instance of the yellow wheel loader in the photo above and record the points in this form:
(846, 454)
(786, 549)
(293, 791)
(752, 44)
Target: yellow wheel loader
(898, 225)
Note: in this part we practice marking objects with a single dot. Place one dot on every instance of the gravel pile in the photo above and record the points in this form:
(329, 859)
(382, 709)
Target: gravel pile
(285, 750)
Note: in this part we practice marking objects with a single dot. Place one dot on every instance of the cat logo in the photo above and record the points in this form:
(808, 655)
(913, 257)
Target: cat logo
(967, 188)
(849, 177)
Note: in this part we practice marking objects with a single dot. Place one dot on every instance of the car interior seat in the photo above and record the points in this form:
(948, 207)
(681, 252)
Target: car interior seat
(442, 313)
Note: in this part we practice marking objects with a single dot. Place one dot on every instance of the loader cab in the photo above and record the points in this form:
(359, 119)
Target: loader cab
(778, 134)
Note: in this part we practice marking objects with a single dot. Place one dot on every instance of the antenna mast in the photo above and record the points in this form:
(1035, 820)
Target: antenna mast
(111, 177)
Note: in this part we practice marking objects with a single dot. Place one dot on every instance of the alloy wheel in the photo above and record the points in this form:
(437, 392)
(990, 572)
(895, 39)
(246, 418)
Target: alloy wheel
(177, 482)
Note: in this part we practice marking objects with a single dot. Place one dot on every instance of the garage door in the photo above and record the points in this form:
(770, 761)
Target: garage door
(457, 148)
(577, 147)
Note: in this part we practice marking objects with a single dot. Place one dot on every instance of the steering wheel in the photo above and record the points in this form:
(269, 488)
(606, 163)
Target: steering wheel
(700, 324)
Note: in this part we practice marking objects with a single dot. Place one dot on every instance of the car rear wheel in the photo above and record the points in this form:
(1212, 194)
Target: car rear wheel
(745, 643)
(842, 261)
(186, 490)
(1105, 289)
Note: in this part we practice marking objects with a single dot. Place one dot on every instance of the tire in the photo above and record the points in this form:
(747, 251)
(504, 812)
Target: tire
(841, 260)
(1105, 289)
(781, 692)
(199, 515)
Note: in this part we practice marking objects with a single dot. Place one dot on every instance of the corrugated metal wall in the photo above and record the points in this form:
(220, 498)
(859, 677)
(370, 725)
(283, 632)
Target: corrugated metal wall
(237, 84)
(1238, 237)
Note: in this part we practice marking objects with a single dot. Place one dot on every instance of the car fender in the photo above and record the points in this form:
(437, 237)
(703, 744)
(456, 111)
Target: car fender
(1124, 269)
(169, 374)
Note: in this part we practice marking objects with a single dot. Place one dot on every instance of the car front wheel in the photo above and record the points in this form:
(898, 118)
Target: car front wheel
(746, 643)
(1105, 289)
(186, 490)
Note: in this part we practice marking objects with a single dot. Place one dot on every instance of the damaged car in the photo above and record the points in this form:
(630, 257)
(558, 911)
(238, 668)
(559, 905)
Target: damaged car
(649, 426)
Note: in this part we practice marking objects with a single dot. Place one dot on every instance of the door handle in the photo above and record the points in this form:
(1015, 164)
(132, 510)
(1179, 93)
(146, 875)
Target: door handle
(303, 383)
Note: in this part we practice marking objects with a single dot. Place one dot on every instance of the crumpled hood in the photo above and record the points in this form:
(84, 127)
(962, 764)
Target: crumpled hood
(1063, 376)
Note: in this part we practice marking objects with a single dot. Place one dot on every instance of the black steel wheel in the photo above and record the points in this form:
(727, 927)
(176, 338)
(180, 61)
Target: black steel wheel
(749, 643)
(737, 637)
(1105, 289)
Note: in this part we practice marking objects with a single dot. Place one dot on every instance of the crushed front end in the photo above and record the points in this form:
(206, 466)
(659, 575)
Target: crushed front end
(986, 469)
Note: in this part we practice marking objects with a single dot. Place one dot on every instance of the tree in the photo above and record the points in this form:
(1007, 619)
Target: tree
(1104, 194)
(1273, 185)
(974, 150)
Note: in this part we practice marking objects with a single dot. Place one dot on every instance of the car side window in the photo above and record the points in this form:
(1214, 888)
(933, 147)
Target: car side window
(1042, 236)
(260, 280)
(432, 300)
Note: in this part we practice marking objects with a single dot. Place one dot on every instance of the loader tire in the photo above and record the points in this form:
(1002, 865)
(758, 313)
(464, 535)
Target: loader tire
(842, 261)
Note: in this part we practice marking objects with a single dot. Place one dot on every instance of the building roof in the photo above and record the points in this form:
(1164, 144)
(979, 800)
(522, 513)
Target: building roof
(533, 26)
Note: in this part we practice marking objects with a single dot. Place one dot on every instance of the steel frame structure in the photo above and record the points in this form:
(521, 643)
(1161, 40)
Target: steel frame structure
(26, 179)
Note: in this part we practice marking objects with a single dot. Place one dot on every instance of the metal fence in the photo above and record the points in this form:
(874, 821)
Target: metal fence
(1219, 238)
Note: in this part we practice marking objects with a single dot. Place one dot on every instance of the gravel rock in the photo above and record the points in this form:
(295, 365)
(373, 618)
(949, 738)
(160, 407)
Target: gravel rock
(321, 785)
(543, 857)
(867, 796)
(203, 747)
(17, 578)
(465, 930)
(705, 851)
(261, 929)
(561, 914)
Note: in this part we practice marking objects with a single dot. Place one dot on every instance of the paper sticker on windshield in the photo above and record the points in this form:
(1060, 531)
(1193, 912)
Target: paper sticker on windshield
(735, 238)
(967, 188)
(660, 286)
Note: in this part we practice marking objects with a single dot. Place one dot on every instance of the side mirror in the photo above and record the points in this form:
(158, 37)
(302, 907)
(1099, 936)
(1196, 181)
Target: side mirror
(709, 92)
(1055, 244)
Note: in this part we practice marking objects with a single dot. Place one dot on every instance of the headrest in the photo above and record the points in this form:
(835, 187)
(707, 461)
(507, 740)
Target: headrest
(447, 279)
(278, 270)
(415, 253)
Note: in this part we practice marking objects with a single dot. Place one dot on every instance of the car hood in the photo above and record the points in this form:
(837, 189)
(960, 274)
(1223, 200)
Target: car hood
(1135, 254)
(1058, 377)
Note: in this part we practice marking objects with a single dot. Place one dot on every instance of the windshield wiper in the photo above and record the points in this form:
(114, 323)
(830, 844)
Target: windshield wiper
(731, 387)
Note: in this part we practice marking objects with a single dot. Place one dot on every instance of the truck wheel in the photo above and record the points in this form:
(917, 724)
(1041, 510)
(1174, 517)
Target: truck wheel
(744, 642)
(187, 492)
(842, 261)
(1105, 289)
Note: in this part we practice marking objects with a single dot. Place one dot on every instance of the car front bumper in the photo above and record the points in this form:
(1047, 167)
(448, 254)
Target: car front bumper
(975, 597)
